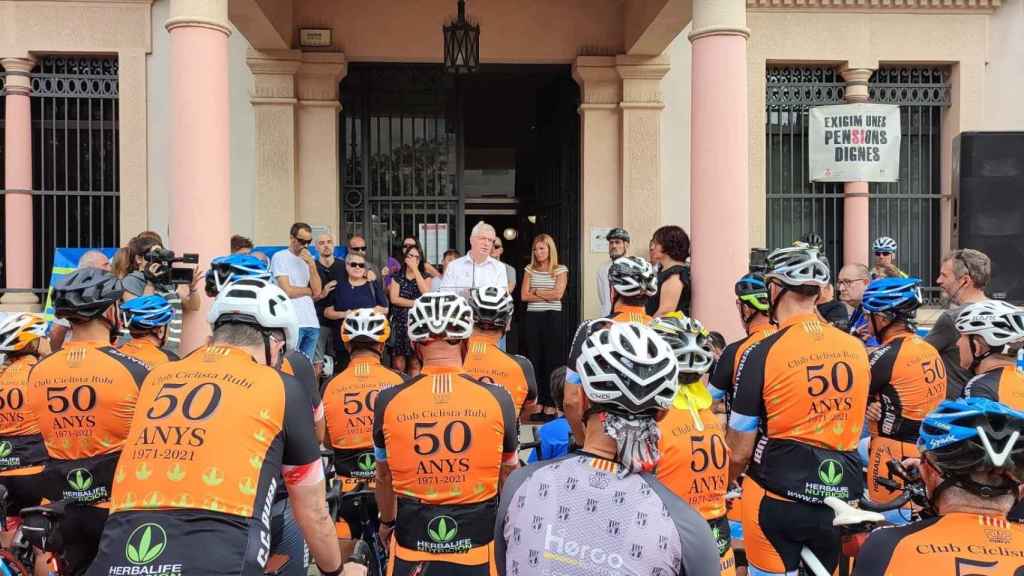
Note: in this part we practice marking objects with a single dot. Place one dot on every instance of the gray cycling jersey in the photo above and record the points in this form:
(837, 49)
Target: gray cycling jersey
(573, 517)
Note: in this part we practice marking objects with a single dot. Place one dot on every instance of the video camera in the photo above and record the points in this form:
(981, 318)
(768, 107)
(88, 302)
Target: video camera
(160, 267)
(758, 261)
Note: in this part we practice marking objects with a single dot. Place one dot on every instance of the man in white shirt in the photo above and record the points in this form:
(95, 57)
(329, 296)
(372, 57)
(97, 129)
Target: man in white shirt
(296, 274)
(477, 269)
(618, 245)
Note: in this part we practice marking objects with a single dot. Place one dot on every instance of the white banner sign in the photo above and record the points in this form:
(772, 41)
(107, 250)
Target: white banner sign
(855, 143)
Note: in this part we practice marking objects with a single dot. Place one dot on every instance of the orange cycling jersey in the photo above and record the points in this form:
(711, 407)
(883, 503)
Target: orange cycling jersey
(804, 390)
(84, 398)
(349, 399)
(445, 437)
(723, 380)
(212, 437)
(694, 465)
(21, 444)
(488, 363)
(956, 544)
(1004, 384)
(295, 363)
(147, 352)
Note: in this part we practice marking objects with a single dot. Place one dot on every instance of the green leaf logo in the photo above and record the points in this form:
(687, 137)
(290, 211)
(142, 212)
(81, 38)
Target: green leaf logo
(145, 544)
(830, 472)
(80, 479)
(366, 462)
(442, 529)
(5, 449)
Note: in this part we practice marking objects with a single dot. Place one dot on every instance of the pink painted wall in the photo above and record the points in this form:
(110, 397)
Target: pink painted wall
(545, 31)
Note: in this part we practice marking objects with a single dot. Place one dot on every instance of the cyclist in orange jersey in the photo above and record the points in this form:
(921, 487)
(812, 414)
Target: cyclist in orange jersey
(84, 399)
(694, 460)
(444, 444)
(146, 318)
(349, 399)
(801, 396)
(752, 305)
(485, 361)
(972, 465)
(991, 336)
(23, 341)
(213, 433)
(908, 379)
(633, 281)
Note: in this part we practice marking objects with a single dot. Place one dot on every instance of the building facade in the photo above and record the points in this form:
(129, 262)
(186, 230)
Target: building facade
(200, 119)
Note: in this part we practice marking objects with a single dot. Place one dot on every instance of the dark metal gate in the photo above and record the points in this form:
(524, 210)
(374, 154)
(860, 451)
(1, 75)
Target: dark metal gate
(910, 210)
(400, 159)
(75, 179)
(795, 206)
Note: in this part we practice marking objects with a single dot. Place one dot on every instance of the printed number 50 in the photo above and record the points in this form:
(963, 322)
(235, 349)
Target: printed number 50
(964, 563)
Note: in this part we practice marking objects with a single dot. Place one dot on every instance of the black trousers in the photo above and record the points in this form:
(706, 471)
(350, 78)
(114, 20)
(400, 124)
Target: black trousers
(545, 348)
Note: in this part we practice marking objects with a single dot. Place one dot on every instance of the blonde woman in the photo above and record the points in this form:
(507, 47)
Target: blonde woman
(543, 287)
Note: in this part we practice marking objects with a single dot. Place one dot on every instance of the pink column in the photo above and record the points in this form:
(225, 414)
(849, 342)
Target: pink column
(856, 215)
(201, 202)
(719, 211)
(18, 166)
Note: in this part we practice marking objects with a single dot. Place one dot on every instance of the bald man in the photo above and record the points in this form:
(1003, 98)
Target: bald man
(94, 259)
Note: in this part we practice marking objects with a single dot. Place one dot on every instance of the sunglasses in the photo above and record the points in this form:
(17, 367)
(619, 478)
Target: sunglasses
(356, 265)
(882, 253)
(303, 242)
(359, 248)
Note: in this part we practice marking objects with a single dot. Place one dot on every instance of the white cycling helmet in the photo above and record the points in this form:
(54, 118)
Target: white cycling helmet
(997, 322)
(365, 325)
(798, 266)
(884, 245)
(688, 340)
(628, 368)
(632, 276)
(492, 306)
(257, 303)
(440, 315)
(19, 330)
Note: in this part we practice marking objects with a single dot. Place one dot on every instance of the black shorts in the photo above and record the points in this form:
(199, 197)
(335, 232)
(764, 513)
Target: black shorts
(399, 567)
(350, 517)
(80, 531)
(22, 492)
(190, 541)
(776, 530)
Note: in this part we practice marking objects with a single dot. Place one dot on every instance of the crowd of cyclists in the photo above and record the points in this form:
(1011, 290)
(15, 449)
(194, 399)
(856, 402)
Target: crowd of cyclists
(673, 458)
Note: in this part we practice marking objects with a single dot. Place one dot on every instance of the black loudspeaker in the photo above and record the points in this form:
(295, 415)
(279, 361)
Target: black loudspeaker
(988, 185)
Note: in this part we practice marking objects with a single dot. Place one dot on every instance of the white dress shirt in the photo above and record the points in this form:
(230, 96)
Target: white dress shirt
(463, 274)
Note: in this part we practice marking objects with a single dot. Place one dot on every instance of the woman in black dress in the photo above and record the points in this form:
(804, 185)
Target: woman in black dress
(409, 284)
(670, 248)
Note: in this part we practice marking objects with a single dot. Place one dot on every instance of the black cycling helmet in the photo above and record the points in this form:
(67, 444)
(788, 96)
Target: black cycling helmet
(86, 294)
(618, 234)
(633, 277)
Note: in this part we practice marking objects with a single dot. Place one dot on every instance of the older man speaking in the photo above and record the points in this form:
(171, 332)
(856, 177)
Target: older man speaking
(477, 269)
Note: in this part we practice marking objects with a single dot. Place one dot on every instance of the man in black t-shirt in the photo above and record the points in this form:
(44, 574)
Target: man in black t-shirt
(330, 269)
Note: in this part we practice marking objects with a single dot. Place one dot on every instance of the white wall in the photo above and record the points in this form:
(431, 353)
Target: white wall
(243, 129)
(1004, 73)
(675, 140)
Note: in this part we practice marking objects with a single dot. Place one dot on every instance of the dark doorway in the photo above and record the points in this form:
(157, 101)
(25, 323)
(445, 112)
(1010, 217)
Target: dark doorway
(429, 155)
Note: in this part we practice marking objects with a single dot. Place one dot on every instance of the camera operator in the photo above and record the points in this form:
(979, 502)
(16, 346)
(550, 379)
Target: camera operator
(152, 275)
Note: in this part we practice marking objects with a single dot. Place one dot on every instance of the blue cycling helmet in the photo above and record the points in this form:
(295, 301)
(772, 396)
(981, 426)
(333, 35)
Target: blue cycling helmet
(897, 296)
(227, 269)
(146, 312)
(974, 435)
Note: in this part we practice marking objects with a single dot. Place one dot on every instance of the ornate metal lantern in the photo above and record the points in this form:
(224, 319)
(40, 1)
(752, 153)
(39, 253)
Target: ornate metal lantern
(461, 44)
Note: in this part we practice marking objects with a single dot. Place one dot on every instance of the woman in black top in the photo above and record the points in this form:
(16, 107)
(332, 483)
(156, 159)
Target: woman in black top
(670, 248)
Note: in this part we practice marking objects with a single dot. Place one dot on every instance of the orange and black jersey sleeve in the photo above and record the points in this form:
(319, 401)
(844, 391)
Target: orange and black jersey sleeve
(148, 352)
(722, 379)
(296, 364)
(1004, 384)
(908, 378)
(951, 545)
(529, 375)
